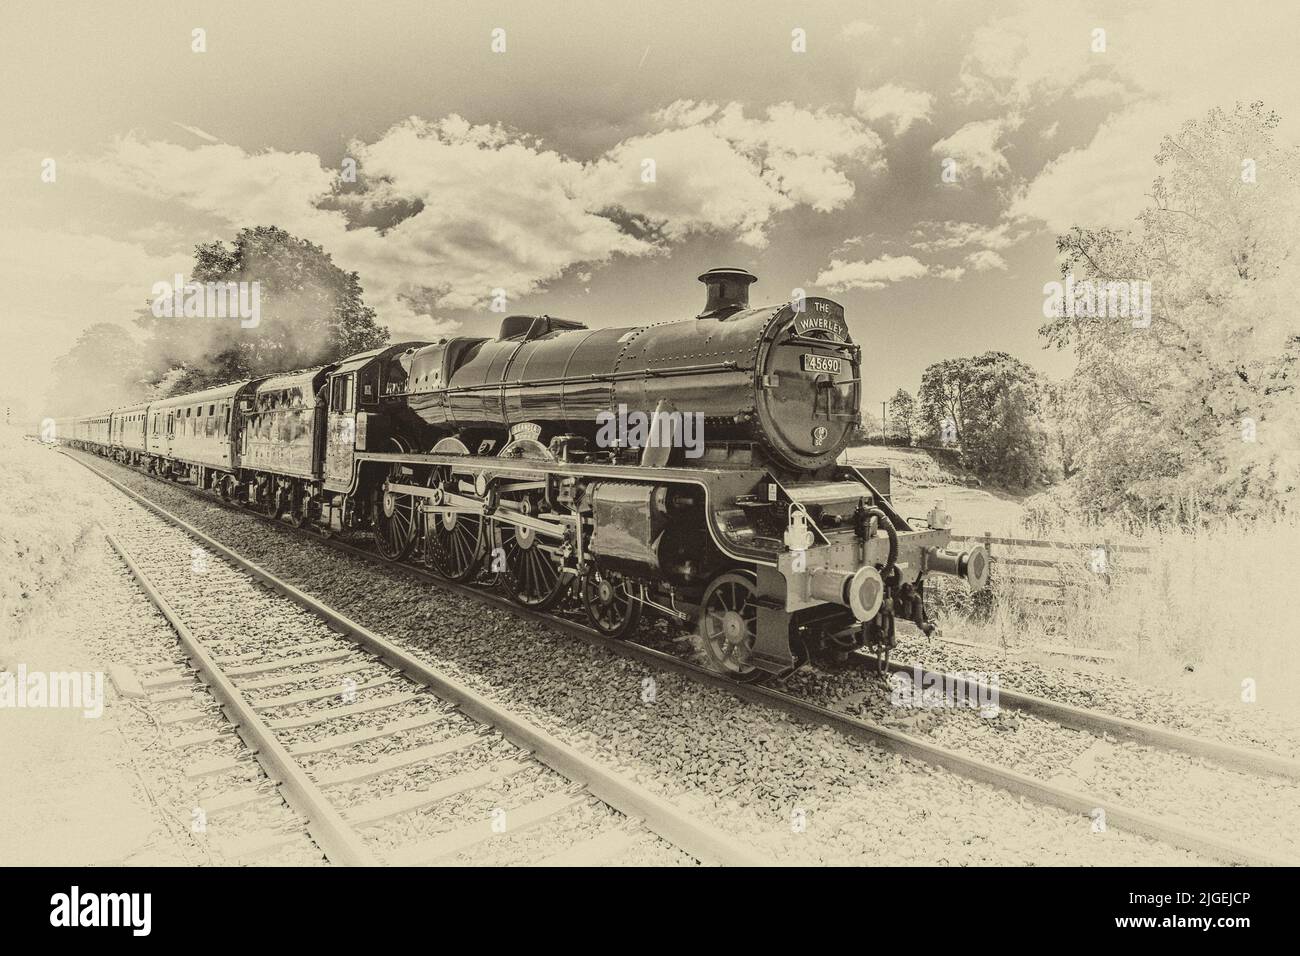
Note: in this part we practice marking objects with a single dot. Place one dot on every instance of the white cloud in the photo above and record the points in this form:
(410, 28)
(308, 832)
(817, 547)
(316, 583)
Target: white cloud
(221, 180)
(976, 146)
(983, 260)
(840, 275)
(685, 113)
(466, 208)
(856, 29)
(1103, 184)
(701, 184)
(1098, 88)
(938, 236)
(1169, 60)
(718, 170)
(953, 274)
(1039, 50)
(899, 104)
(494, 211)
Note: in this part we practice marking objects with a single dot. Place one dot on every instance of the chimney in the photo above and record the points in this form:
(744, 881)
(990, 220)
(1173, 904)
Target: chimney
(728, 292)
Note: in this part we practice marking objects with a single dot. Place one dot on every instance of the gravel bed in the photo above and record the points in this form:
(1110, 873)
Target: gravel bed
(795, 791)
(575, 825)
(1194, 790)
(372, 750)
(420, 776)
(468, 807)
(1090, 685)
(268, 627)
(117, 624)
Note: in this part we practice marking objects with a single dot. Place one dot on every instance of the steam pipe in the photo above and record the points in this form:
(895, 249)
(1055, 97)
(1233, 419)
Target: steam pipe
(891, 531)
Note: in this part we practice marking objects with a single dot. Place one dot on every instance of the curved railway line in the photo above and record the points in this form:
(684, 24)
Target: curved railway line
(1164, 829)
(243, 684)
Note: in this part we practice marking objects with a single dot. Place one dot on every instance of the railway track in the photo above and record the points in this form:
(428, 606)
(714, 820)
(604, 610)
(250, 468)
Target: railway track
(1164, 829)
(330, 686)
(1245, 759)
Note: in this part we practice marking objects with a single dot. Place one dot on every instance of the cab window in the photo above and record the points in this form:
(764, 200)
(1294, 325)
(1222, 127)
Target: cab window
(341, 399)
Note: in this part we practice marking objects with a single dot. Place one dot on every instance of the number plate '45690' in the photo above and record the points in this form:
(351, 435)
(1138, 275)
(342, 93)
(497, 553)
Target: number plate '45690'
(820, 363)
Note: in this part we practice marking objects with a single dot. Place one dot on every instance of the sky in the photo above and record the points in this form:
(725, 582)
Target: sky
(913, 161)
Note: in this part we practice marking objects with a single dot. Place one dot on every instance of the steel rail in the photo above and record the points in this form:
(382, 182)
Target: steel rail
(1074, 801)
(1081, 718)
(340, 842)
(701, 840)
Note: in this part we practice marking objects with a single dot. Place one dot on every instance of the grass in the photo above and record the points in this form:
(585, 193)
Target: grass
(1217, 607)
(46, 516)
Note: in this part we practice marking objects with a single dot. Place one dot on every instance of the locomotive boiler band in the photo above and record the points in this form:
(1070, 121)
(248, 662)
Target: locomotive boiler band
(730, 515)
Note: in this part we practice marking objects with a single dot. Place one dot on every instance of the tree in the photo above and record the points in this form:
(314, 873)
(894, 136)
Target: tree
(1060, 419)
(1195, 404)
(941, 398)
(102, 370)
(311, 312)
(990, 404)
(902, 415)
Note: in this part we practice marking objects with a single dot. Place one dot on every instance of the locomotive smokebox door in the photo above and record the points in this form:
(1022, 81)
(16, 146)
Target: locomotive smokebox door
(809, 389)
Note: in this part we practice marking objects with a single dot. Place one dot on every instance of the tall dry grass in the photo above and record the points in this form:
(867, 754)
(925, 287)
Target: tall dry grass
(47, 512)
(1219, 604)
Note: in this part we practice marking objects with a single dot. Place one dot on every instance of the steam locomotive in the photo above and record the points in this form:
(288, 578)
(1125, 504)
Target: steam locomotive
(687, 469)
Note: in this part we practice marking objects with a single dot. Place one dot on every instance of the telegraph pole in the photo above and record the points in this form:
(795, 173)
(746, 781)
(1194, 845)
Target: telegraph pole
(883, 435)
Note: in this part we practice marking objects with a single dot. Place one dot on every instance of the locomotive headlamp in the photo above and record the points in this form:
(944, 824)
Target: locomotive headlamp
(798, 536)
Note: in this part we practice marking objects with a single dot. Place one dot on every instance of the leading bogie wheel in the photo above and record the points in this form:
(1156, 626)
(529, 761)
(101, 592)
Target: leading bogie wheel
(728, 624)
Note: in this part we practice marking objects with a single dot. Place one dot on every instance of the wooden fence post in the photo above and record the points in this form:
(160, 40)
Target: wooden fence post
(983, 600)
